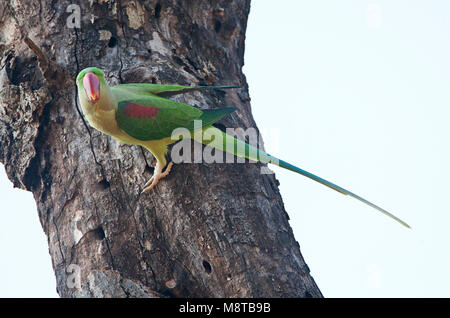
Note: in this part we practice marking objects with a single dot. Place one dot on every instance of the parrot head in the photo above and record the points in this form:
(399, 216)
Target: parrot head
(91, 79)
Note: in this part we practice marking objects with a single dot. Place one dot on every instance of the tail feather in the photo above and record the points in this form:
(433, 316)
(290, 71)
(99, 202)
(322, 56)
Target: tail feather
(241, 149)
(337, 188)
(216, 87)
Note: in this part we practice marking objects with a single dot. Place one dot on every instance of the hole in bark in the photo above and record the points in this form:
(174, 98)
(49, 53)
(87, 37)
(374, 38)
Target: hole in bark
(168, 294)
(308, 295)
(105, 184)
(157, 10)
(217, 26)
(220, 126)
(20, 70)
(99, 233)
(207, 267)
(149, 168)
(187, 69)
(178, 60)
(112, 42)
(153, 80)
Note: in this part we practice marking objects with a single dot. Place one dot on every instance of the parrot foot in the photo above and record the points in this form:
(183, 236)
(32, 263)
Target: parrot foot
(156, 177)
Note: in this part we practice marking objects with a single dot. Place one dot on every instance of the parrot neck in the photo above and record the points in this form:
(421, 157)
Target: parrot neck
(106, 101)
(101, 114)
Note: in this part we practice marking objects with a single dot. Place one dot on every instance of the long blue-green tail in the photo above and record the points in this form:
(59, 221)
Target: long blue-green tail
(241, 149)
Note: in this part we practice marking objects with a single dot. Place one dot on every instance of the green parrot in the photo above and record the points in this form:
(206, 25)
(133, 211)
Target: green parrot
(136, 114)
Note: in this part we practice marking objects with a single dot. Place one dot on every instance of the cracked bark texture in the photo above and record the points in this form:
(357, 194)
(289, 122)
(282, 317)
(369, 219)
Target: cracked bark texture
(207, 230)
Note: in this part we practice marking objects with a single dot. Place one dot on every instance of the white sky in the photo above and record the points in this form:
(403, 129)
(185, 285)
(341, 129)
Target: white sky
(356, 92)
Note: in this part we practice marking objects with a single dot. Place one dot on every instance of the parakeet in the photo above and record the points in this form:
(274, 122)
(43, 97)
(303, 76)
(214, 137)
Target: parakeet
(136, 114)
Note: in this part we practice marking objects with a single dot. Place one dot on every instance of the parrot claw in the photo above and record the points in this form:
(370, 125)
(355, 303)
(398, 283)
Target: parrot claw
(149, 182)
(156, 177)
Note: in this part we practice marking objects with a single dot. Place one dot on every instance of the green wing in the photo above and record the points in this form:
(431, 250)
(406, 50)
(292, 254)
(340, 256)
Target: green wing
(145, 88)
(155, 118)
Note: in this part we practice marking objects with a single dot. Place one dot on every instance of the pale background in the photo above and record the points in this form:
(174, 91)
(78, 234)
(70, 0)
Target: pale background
(357, 92)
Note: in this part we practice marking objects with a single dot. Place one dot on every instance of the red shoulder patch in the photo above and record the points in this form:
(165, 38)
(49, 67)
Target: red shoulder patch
(139, 111)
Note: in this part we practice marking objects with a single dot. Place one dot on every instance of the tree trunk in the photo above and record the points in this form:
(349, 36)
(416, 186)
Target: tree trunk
(207, 230)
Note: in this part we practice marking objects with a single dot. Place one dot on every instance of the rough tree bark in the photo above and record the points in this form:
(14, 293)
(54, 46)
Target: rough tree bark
(207, 230)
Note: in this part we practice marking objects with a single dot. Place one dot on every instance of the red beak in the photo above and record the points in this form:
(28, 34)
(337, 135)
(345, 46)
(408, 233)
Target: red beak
(91, 85)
